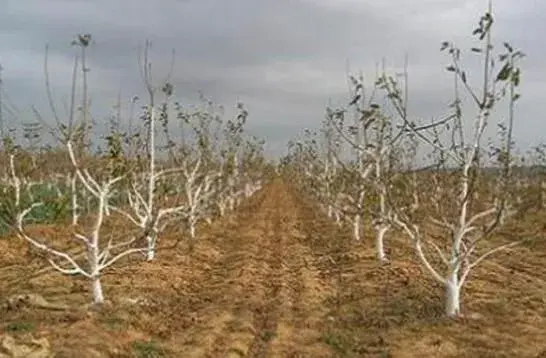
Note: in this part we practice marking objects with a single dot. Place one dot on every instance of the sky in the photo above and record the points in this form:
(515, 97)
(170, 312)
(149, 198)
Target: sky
(284, 59)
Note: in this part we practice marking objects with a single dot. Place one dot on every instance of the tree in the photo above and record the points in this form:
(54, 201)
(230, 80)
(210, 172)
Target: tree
(459, 174)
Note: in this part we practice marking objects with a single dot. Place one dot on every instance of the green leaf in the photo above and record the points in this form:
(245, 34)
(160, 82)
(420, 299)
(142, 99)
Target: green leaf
(516, 77)
(476, 49)
(451, 68)
(504, 73)
(354, 100)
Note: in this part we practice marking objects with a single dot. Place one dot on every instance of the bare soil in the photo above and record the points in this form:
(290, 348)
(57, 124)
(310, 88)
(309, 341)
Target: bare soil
(275, 279)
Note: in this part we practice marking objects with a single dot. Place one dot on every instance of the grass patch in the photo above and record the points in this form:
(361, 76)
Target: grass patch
(337, 342)
(268, 335)
(113, 323)
(147, 349)
(19, 327)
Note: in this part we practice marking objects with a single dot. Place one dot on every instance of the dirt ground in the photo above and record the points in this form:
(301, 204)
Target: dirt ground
(275, 279)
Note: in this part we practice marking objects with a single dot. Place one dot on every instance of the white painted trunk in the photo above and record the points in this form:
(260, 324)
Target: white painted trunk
(330, 211)
(231, 204)
(379, 243)
(338, 219)
(248, 190)
(74, 193)
(356, 227)
(150, 252)
(453, 295)
(192, 229)
(96, 285)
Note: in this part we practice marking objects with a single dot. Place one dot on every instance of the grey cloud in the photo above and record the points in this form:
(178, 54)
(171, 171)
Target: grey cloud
(283, 58)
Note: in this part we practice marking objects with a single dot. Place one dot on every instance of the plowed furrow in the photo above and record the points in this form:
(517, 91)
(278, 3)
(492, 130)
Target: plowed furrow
(265, 297)
(265, 315)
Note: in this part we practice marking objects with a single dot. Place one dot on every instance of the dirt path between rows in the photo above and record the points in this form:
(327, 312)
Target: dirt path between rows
(266, 298)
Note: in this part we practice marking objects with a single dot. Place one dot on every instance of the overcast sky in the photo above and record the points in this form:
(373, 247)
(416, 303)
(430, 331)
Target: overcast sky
(283, 58)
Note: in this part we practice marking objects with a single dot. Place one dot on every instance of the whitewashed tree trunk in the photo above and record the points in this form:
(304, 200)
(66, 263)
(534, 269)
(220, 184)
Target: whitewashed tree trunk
(151, 239)
(356, 226)
(74, 197)
(192, 229)
(96, 285)
(231, 203)
(339, 222)
(453, 294)
(222, 208)
(381, 230)
(94, 266)
(248, 190)
(150, 252)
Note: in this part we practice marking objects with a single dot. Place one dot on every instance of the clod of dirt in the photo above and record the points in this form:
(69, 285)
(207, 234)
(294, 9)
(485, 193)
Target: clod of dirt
(36, 348)
(15, 302)
(139, 301)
